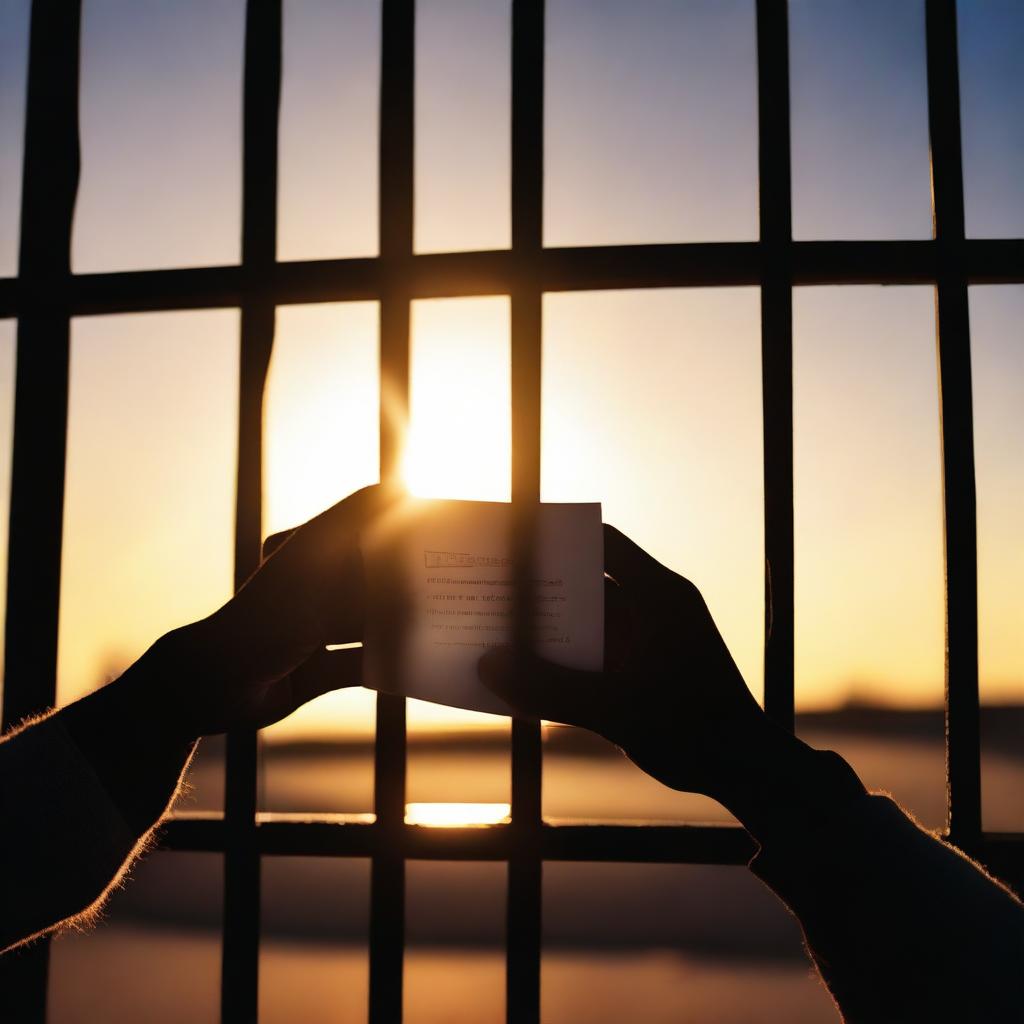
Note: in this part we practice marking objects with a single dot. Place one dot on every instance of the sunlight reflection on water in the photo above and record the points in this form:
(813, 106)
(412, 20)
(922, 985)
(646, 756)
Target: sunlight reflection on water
(464, 815)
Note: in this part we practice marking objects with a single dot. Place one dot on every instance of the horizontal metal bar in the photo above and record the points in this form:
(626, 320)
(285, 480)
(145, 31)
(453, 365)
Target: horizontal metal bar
(681, 844)
(317, 836)
(437, 275)
(993, 260)
(193, 833)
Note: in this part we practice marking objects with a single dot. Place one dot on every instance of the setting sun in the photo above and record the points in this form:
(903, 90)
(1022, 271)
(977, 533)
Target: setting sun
(459, 438)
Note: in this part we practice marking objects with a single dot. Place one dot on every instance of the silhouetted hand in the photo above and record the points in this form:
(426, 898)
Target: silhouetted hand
(670, 696)
(262, 654)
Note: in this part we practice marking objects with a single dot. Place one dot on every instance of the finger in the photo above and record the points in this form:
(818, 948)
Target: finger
(628, 564)
(312, 561)
(536, 688)
(334, 528)
(618, 625)
(333, 533)
(325, 671)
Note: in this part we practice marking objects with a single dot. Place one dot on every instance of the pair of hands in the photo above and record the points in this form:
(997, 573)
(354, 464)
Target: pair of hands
(670, 696)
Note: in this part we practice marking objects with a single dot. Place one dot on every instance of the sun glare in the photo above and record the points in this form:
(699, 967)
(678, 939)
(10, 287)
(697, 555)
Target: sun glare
(321, 409)
(457, 815)
(459, 439)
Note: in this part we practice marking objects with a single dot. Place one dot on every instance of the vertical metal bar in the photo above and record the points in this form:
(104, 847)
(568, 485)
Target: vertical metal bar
(50, 183)
(525, 868)
(963, 768)
(240, 954)
(776, 353)
(387, 880)
(50, 176)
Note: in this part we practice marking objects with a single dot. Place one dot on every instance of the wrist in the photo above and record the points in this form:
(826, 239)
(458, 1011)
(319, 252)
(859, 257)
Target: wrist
(784, 784)
(150, 699)
(133, 709)
(166, 682)
(136, 751)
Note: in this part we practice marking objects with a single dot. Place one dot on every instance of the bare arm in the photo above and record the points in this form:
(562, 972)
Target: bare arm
(901, 926)
(80, 793)
(82, 789)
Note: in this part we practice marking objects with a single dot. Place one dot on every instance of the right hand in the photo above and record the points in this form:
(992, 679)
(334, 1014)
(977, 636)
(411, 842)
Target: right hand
(670, 696)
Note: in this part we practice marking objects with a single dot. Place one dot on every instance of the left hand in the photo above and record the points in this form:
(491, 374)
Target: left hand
(262, 654)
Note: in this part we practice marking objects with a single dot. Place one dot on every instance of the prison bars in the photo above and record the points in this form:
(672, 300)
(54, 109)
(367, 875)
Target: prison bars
(45, 295)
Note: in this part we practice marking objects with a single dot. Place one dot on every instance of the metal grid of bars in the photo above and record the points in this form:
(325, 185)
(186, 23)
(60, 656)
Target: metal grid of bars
(45, 295)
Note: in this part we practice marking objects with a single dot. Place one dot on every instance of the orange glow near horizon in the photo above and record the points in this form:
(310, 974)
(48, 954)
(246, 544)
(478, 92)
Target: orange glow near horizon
(149, 489)
(691, 404)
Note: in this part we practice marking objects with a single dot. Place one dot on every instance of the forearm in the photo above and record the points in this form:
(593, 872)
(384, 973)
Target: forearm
(136, 744)
(80, 791)
(901, 925)
(779, 785)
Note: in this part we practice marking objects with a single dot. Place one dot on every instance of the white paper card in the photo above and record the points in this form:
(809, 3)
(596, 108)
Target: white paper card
(441, 592)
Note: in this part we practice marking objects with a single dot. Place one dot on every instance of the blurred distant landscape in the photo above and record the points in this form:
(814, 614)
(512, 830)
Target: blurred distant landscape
(652, 942)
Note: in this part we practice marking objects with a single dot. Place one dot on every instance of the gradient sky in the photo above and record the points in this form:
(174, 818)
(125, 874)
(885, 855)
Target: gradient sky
(651, 400)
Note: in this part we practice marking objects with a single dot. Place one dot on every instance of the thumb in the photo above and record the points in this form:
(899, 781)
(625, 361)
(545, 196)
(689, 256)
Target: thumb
(325, 671)
(536, 688)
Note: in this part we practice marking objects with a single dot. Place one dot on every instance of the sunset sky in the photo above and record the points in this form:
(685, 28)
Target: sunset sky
(651, 401)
